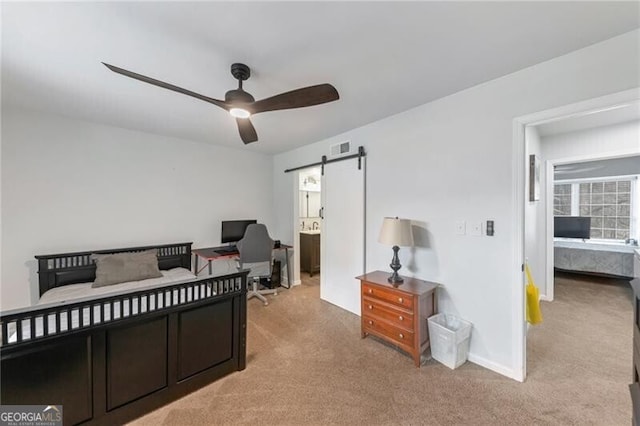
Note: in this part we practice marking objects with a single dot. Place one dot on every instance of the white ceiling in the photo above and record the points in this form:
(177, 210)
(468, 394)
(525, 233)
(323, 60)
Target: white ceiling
(383, 58)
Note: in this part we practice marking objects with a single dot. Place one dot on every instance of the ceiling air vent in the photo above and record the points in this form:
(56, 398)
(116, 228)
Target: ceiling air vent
(340, 149)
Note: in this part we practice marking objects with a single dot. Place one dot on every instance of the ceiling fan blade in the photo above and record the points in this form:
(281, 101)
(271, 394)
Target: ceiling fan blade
(307, 96)
(247, 131)
(162, 84)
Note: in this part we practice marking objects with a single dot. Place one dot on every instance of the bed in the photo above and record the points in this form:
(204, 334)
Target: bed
(115, 355)
(596, 258)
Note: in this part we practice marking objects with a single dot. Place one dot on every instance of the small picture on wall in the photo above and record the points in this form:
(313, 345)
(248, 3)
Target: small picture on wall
(534, 178)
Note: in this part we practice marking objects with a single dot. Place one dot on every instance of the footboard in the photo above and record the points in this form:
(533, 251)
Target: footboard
(111, 359)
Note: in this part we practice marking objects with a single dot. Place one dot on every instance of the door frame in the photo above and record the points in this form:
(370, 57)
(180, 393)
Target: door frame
(519, 188)
(296, 229)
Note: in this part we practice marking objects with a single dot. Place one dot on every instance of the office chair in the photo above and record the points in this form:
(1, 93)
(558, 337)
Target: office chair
(255, 250)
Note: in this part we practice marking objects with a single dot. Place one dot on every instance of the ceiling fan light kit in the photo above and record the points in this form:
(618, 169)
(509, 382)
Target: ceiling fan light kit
(239, 113)
(241, 104)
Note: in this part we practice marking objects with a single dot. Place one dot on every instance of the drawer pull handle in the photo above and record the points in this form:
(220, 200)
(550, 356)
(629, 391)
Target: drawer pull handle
(370, 291)
(401, 336)
(401, 318)
(400, 299)
(370, 307)
(370, 322)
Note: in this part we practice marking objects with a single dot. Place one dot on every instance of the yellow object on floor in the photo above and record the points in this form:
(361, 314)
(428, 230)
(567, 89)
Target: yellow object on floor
(534, 315)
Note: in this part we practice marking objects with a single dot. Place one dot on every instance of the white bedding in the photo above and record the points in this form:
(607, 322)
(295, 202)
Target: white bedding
(83, 290)
(73, 292)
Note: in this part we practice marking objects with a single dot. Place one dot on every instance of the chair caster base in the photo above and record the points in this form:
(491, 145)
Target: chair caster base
(254, 292)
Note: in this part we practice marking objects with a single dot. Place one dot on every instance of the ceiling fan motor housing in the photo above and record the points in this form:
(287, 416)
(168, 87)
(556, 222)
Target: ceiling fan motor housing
(238, 96)
(240, 71)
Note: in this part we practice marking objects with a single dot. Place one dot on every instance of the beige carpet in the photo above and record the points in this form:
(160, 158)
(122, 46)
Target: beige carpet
(308, 365)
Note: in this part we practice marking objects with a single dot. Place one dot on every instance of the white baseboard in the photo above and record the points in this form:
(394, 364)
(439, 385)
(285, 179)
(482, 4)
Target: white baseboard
(498, 368)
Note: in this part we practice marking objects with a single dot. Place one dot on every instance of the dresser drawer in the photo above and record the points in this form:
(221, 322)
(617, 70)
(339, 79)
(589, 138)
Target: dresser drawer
(398, 335)
(388, 295)
(397, 316)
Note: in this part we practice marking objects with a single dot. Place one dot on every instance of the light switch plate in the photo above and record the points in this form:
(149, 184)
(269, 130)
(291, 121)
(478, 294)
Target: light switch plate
(461, 227)
(490, 228)
(476, 229)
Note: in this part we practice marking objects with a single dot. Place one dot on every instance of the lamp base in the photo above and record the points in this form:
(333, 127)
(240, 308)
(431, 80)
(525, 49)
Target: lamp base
(395, 279)
(395, 266)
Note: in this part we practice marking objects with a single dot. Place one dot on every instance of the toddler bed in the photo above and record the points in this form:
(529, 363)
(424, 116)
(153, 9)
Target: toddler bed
(111, 352)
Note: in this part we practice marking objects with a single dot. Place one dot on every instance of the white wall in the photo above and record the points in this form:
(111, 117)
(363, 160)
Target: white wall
(70, 185)
(452, 159)
(599, 142)
(534, 217)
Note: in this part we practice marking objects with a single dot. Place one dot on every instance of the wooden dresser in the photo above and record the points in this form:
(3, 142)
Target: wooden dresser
(397, 314)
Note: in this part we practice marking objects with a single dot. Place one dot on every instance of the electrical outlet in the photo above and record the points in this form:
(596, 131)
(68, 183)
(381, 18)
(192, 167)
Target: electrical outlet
(461, 227)
(476, 229)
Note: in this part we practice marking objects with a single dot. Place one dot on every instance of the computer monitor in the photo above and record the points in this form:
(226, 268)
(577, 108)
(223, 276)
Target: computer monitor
(233, 230)
(572, 227)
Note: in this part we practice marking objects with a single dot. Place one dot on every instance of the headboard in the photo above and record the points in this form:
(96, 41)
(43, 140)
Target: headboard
(56, 270)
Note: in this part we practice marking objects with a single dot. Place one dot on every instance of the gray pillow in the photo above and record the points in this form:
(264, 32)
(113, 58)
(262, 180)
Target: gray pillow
(123, 267)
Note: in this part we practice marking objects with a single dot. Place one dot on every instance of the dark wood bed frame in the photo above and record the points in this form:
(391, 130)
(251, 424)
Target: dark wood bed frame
(122, 363)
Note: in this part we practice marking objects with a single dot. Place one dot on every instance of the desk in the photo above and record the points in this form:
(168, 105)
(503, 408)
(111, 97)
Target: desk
(209, 254)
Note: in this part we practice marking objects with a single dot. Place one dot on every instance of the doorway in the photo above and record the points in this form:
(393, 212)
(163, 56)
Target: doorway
(531, 219)
(310, 223)
(601, 194)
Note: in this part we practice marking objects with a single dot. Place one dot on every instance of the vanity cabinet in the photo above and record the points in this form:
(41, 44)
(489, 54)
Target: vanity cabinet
(310, 252)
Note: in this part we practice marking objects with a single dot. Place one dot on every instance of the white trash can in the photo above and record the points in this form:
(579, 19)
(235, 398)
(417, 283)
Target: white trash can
(449, 336)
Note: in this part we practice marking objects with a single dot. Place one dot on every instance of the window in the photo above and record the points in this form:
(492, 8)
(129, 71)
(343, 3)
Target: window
(562, 200)
(609, 203)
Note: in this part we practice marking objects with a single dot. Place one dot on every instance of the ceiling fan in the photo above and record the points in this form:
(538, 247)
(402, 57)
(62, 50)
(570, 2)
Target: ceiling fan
(242, 105)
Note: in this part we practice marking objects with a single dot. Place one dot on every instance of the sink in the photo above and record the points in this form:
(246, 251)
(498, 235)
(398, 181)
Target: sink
(310, 231)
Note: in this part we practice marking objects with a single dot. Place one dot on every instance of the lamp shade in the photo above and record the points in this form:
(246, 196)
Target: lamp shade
(396, 232)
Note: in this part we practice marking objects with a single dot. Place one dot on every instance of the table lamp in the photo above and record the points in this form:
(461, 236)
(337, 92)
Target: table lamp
(396, 232)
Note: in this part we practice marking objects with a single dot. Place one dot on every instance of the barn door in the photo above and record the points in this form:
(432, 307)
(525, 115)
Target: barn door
(343, 232)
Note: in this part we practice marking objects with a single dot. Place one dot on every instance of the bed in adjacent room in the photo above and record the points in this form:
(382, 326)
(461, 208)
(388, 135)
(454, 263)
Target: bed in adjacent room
(592, 257)
(109, 349)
